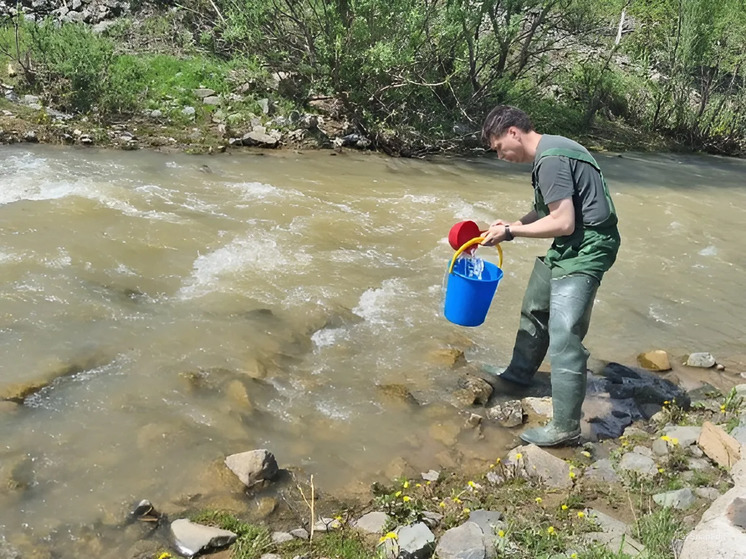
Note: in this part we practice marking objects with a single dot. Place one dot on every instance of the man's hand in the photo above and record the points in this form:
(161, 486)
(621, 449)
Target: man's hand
(495, 234)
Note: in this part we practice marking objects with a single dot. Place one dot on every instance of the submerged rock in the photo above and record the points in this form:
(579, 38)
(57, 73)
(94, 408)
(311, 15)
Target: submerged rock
(702, 360)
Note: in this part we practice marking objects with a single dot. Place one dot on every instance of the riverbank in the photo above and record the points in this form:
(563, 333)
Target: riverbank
(25, 120)
(638, 486)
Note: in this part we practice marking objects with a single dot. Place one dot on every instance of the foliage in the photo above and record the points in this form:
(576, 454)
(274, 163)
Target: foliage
(252, 540)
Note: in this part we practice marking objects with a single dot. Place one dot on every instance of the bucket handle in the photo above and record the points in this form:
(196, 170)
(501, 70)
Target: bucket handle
(468, 244)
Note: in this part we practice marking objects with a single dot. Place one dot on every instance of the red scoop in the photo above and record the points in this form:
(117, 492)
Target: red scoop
(461, 233)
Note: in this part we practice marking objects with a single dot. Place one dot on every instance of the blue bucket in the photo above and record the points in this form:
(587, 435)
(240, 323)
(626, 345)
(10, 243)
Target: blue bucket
(468, 298)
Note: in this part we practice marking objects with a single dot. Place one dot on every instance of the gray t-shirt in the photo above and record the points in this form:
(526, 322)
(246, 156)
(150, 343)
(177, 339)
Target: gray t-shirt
(560, 177)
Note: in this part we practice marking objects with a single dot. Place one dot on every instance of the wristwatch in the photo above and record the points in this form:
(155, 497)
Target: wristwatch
(508, 235)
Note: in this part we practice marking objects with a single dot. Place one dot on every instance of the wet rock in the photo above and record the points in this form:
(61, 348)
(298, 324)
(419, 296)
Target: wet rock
(508, 414)
(656, 360)
(191, 538)
(145, 512)
(449, 357)
(372, 523)
(238, 395)
(462, 542)
(253, 466)
(702, 360)
(602, 471)
(474, 391)
(539, 406)
(263, 507)
(397, 394)
(642, 465)
(679, 499)
(719, 446)
(532, 462)
(446, 433)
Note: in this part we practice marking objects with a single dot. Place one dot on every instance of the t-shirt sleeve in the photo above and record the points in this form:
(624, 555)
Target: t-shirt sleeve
(555, 179)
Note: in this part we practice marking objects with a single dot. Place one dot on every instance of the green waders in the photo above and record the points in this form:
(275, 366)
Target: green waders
(556, 313)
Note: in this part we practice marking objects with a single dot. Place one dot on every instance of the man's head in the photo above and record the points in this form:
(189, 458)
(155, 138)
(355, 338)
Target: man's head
(509, 132)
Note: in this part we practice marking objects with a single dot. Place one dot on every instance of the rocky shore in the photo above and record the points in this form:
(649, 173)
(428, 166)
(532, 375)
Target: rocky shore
(660, 473)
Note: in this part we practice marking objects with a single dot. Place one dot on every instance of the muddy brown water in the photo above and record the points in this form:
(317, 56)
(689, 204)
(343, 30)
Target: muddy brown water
(191, 307)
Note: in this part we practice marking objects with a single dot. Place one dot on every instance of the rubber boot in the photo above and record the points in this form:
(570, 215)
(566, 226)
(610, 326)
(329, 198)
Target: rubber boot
(570, 314)
(532, 339)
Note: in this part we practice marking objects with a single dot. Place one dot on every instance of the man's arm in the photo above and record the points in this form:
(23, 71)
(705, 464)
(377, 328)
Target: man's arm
(559, 222)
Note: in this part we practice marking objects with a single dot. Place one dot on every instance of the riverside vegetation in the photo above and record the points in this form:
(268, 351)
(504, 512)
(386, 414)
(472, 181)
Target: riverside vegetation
(402, 76)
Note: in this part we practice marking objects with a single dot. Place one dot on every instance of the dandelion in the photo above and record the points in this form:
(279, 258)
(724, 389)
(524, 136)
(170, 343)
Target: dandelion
(665, 438)
(406, 485)
(397, 494)
(428, 482)
(581, 514)
(418, 485)
(572, 475)
(674, 441)
(466, 510)
(456, 500)
(538, 500)
(666, 402)
(388, 536)
(661, 470)
(518, 456)
(501, 533)
(586, 454)
(573, 556)
(498, 461)
(564, 507)
(550, 530)
(442, 505)
(406, 499)
(338, 518)
(165, 555)
(472, 484)
(492, 465)
(722, 407)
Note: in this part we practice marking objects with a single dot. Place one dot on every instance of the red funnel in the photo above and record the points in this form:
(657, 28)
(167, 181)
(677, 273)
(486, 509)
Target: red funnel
(463, 232)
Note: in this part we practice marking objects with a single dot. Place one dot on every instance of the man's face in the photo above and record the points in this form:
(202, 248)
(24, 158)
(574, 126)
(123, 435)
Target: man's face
(509, 146)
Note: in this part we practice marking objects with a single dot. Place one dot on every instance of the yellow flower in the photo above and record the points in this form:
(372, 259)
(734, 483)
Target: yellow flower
(428, 482)
(388, 536)
(406, 485)
(518, 456)
(472, 484)
(581, 514)
(722, 408)
(666, 402)
(538, 499)
(442, 505)
(498, 461)
(550, 530)
(661, 470)
(501, 533)
(572, 475)
(666, 438)
(406, 499)
(466, 510)
(492, 465)
(573, 556)
(338, 518)
(674, 441)
(165, 555)
(418, 485)
(586, 454)
(397, 494)
(564, 507)
(456, 500)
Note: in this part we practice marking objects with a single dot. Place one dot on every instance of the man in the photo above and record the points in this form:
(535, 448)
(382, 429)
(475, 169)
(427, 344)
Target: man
(572, 206)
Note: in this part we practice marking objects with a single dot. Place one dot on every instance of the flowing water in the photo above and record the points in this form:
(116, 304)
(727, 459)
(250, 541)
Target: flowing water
(192, 307)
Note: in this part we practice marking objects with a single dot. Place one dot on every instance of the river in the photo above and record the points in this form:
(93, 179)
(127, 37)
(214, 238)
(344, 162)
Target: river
(197, 306)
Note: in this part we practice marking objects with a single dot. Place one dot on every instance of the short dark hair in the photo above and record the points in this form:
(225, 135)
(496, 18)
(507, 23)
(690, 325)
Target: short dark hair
(503, 117)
